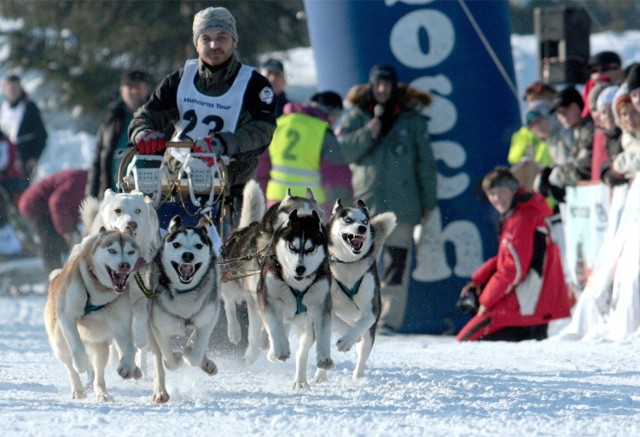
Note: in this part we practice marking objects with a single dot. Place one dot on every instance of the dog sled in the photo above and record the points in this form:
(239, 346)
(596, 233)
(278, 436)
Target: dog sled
(197, 188)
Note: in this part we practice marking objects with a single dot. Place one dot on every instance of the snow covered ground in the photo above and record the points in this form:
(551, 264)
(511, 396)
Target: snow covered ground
(414, 386)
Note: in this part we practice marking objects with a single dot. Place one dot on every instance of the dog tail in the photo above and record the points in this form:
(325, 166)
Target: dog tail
(88, 211)
(383, 224)
(253, 204)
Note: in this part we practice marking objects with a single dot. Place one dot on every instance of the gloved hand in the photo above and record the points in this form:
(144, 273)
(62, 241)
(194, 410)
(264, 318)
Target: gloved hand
(151, 142)
(208, 145)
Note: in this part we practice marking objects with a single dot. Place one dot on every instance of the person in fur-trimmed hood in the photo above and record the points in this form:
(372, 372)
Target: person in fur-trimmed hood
(386, 141)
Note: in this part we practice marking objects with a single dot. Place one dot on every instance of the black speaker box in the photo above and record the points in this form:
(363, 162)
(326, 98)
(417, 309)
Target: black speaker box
(562, 34)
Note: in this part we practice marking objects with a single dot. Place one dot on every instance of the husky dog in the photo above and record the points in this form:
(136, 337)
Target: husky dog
(88, 307)
(186, 282)
(248, 243)
(294, 288)
(355, 243)
(118, 211)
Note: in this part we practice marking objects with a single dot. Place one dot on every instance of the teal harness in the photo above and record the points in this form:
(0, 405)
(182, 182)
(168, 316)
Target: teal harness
(300, 307)
(350, 292)
(89, 307)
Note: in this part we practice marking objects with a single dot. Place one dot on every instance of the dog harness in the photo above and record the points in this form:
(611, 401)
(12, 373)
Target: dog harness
(300, 307)
(350, 292)
(89, 307)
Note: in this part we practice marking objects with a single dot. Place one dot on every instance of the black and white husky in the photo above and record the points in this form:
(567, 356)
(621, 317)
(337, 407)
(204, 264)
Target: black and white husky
(355, 243)
(248, 244)
(294, 289)
(186, 282)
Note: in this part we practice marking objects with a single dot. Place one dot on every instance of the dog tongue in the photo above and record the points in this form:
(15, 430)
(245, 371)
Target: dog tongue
(357, 242)
(186, 270)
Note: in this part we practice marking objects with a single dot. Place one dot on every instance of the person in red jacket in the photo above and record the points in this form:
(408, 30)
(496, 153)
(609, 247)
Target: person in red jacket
(51, 206)
(522, 288)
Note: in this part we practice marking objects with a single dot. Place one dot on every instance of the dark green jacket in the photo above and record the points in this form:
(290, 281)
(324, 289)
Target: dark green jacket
(396, 172)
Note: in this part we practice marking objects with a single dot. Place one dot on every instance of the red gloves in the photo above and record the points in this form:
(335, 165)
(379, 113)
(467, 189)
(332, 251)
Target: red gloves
(151, 142)
(208, 145)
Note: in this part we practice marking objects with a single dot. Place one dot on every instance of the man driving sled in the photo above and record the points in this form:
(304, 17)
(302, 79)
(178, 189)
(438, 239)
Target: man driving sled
(225, 107)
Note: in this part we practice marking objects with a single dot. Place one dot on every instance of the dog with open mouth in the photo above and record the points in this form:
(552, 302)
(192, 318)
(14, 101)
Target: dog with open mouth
(294, 290)
(88, 306)
(186, 303)
(355, 244)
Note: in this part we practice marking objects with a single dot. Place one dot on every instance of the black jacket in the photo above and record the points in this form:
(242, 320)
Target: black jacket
(101, 173)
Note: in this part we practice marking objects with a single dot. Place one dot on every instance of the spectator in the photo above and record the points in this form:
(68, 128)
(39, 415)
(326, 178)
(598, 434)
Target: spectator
(627, 163)
(385, 139)
(51, 205)
(224, 106)
(558, 138)
(13, 183)
(522, 288)
(606, 138)
(569, 104)
(529, 150)
(633, 85)
(604, 66)
(273, 70)
(112, 139)
(297, 164)
(21, 121)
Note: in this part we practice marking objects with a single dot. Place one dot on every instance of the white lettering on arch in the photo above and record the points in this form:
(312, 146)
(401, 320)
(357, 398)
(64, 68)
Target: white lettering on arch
(404, 39)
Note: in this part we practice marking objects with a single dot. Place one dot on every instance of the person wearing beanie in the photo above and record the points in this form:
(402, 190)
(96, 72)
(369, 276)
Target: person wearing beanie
(522, 288)
(529, 150)
(385, 139)
(297, 165)
(568, 104)
(606, 137)
(633, 85)
(112, 140)
(220, 104)
(605, 66)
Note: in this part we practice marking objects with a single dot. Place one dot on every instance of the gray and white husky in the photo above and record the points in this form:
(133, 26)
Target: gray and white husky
(294, 289)
(355, 243)
(249, 244)
(186, 282)
(88, 306)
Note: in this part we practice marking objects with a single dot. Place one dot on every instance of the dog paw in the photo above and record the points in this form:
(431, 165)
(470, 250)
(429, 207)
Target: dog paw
(300, 385)
(128, 371)
(325, 364)
(104, 397)
(160, 397)
(344, 344)
(275, 357)
(209, 367)
(78, 394)
(320, 376)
